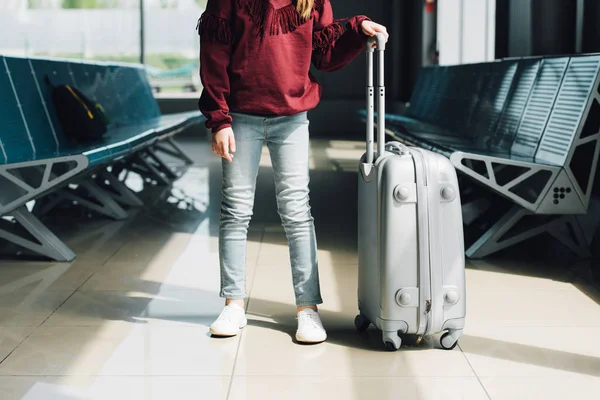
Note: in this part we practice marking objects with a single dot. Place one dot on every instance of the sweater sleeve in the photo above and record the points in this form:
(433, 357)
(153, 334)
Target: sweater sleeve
(216, 40)
(335, 45)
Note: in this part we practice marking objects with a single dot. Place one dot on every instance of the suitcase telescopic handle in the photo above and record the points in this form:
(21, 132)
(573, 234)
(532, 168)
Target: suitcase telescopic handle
(379, 91)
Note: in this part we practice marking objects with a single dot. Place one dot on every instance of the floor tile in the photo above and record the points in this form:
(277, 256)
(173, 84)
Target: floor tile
(275, 250)
(154, 276)
(149, 227)
(254, 244)
(29, 306)
(146, 251)
(161, 307)
(537, 352)
(528, 388)
(190, 263)
(193, 266)
(518, 276)
(356, 388)
(122, 350)
(16, 276)
(273, 282)
(111, 387)
(93, 239)
(146, 290)
(11, 337)
(273, 291)
(267, 349)
(549, 308)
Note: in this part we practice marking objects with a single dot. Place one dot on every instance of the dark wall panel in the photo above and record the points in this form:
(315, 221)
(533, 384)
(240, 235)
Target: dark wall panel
(519, 28)
(590, 39)
(553, 27)
(539, 27)
(502, 24)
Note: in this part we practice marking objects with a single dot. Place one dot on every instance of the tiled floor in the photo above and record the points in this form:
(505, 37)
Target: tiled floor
(129, 319)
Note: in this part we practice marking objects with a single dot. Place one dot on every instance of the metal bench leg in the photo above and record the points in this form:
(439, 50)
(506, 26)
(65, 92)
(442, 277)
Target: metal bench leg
(100, 201)
(146, 169)
(45, 204)
(48, 244)
(499, 236)
(176, 150)
(162, 166)
(119, 190)
(571, 235)
(491, 241)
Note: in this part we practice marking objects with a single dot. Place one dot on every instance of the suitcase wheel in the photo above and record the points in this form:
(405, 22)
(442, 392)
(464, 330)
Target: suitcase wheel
(361, 322)
(449, 340)
(392, 341)
(389, 346)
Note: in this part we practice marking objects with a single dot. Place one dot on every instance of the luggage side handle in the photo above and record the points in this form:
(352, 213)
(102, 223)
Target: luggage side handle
(378, 40)
(397, 147)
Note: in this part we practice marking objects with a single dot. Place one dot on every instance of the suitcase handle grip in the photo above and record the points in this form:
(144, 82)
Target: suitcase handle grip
(379, 40)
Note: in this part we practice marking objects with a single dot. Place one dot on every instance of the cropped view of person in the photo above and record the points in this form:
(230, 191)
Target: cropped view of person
(255, 59)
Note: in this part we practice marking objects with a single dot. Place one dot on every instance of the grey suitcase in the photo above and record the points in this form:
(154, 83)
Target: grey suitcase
(411, 277)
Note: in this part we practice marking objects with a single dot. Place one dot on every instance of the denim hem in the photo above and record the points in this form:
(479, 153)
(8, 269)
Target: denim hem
(232, 296)
(300, 303)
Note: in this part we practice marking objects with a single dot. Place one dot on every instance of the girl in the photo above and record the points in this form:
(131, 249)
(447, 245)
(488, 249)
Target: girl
(255, 57)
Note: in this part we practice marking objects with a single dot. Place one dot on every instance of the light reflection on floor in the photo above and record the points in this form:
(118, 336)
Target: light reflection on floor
(129, 319)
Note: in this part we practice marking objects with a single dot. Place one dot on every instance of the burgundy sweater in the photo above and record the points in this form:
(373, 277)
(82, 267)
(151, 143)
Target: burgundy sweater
(255, 56)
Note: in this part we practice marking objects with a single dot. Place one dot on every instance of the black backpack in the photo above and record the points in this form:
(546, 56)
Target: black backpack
(80, 118)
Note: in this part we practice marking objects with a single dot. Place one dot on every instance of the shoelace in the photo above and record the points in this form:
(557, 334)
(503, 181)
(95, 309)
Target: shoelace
(310, 318)
(226, 314)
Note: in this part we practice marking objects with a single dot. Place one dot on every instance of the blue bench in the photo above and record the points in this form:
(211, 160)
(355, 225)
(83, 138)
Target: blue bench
(526, 130)
(37, 162)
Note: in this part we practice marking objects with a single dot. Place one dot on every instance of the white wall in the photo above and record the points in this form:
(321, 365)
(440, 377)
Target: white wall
(466, 31)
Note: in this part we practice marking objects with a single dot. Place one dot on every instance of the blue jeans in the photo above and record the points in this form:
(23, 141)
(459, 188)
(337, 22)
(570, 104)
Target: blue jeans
(287, 139)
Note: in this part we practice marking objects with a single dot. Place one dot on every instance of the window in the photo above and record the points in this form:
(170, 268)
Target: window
(172, 45)
(109, 30)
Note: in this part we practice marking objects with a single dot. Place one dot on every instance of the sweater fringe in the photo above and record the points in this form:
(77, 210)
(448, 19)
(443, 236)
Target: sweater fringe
(281, 20)
(257, 11)
(286, 20)
(326, 37)
(319, 4)
(214, 29)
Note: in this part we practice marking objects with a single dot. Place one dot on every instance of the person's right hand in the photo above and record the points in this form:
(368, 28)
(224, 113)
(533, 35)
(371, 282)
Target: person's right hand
(223, 142)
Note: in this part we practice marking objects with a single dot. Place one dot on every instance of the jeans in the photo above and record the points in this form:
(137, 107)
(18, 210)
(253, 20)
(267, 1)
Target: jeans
(287, 139)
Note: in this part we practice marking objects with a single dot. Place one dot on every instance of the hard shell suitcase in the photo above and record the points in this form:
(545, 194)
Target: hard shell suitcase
(411, 276)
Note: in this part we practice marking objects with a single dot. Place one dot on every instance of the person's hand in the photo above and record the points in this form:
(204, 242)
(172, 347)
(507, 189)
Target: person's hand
(371, 28)
(223, 142)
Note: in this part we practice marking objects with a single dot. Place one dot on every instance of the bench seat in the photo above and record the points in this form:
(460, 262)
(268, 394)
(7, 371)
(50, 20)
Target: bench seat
(526, 129)
(37, 161)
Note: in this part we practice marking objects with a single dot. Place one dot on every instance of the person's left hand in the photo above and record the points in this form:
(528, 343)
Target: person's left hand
(371, 28)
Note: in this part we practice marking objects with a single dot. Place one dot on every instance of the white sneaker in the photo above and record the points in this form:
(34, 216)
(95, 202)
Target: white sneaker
(310, 327)
(230, 321)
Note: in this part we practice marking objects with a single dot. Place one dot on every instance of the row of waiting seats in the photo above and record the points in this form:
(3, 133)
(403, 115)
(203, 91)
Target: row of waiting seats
(38, 161)
(526, 129)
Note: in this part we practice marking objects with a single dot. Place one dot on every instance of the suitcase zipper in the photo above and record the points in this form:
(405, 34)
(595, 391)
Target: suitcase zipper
(427, 311)
(424, 177)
